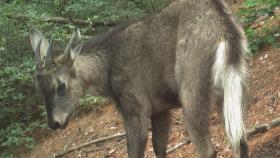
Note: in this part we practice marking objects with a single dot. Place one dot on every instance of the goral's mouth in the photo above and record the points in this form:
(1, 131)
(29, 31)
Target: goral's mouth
(54, 125)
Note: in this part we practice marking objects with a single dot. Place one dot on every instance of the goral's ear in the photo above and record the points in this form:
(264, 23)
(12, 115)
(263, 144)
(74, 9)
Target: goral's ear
(37, 39)
(74, 45)
(72, 50)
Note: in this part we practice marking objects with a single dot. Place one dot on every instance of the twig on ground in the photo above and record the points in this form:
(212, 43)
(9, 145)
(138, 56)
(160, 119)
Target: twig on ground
(114, 150)
(185, 142)
(67, 145)
(89, 143)
(258, 129)
(177, 146)
(263, 127)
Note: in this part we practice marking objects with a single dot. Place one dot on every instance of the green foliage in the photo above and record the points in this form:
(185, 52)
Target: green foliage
(258, 40)
(102, 11)
(150, 5)
(14, 135)
(88, 101)
(252, 10)
(256, 8)
(19, 104)
(6, 155)
(15, 84)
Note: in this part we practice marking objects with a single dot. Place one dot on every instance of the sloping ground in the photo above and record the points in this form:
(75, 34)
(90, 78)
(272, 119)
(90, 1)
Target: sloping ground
(103, 121)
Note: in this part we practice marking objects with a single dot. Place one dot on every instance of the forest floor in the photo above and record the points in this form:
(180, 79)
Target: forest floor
(101, 121)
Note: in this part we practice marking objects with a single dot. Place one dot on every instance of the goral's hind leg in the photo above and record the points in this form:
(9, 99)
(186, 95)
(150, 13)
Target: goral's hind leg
(194, 97)
(196, 113)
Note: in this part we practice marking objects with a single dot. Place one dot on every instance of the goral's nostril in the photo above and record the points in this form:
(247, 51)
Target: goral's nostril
(56, 124)
(53, 125)
(60, 119)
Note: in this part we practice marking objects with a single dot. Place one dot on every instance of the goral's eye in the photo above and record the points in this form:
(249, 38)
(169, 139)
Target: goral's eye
(61, 88)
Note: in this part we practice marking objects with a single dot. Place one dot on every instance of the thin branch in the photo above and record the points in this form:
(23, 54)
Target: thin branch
(263, 127)
(39, 1)
(89, 143)
(185, 142)
(70, 142)
(114, 150)
(63, 20)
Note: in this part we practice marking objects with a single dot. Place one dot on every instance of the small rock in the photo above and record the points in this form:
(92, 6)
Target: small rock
(265, 56)
(113, 128)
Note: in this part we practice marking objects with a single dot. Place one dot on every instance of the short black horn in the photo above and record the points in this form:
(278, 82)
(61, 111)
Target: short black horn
(49, 60)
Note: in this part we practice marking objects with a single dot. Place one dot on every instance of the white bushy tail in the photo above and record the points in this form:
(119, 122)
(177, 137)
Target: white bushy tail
(230, 79)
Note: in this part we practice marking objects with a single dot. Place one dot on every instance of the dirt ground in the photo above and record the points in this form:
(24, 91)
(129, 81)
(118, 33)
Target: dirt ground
(101, 121)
